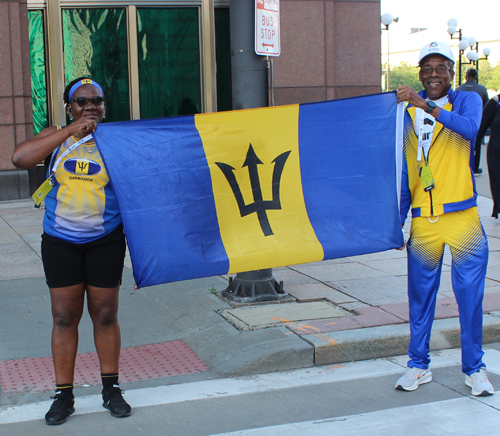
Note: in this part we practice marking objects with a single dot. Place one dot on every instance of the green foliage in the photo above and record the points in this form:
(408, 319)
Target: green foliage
(489, 75)
(407, 75)
(403, 74)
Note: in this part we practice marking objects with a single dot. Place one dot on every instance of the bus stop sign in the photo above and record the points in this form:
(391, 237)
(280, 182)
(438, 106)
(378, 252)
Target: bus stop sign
(267, 27)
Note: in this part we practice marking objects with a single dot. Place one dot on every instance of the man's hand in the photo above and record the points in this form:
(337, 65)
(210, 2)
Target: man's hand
(407, 93)
(404, 242)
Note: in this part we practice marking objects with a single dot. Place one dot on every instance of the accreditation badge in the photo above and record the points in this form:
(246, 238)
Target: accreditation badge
(42, 191)
(426, 177)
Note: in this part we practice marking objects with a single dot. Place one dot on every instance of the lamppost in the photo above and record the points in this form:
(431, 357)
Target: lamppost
(386, 20)
(464, 42)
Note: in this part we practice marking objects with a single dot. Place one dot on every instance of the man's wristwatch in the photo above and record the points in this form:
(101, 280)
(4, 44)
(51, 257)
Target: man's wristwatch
(430, 105)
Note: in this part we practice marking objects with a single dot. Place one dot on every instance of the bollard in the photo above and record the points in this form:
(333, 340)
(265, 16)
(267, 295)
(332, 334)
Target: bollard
(254, 286)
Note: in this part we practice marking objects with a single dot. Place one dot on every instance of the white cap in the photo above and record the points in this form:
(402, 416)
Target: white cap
(436, 47)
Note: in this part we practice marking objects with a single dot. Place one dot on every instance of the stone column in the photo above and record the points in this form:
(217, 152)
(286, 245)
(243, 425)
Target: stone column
(16, 117)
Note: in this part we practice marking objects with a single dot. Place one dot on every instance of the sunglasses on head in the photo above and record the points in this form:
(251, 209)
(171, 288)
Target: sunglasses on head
(83, 102)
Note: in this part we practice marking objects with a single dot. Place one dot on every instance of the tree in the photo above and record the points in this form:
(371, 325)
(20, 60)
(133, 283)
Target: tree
(403, 74)
(407, 75)
(489, 75)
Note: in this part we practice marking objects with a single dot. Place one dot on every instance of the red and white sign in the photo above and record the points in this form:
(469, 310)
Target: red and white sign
(267, 27)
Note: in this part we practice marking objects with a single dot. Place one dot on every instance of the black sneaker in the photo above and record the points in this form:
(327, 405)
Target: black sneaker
(61, 408)
(114, 402)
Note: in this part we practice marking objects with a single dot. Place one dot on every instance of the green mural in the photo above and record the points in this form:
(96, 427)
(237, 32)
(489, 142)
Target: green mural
(95, 45)
(38, 70)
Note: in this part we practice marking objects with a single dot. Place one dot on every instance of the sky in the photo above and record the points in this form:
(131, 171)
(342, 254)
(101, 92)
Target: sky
(477, 18)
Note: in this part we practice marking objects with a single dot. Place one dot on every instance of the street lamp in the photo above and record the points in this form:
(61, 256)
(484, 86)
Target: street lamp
(386, 20)
(464, 42)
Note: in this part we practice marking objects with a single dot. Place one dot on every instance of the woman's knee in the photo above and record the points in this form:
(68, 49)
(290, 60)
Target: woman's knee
(66, 319)
(103, 306)
(67, 306)
(104, 316)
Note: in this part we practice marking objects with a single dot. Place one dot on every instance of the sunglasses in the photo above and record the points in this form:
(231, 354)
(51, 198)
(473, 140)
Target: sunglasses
(83, 102)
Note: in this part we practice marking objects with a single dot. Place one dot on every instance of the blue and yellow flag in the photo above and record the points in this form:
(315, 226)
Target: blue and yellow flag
(245, 190)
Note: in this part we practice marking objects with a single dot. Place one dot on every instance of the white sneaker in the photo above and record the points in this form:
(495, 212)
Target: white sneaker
(413, 378)
(479, 383)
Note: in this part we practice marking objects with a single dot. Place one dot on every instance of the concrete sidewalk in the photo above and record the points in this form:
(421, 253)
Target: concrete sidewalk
(342, 310)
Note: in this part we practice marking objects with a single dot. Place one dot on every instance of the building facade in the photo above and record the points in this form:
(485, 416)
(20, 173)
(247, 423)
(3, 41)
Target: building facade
(157, 58)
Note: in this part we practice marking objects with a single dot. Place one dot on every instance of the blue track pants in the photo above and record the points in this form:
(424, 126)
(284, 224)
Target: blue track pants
(463, 233)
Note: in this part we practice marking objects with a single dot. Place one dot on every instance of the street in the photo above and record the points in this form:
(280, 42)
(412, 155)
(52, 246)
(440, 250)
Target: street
(356, 398)
(187, 370)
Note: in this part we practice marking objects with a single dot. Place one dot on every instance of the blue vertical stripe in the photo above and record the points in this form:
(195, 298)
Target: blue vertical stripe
(163, 185)
(348, 168)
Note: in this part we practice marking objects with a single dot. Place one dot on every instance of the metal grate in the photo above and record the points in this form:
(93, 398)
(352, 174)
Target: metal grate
(136, 363)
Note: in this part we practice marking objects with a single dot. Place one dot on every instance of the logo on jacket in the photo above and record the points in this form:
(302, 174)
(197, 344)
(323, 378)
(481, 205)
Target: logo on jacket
(82, 167)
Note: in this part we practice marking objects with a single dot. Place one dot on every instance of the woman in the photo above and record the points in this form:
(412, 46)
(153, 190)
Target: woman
(83, 245)
(491, 118)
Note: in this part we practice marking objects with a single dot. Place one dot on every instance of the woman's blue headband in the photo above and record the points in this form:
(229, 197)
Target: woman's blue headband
(83, 82)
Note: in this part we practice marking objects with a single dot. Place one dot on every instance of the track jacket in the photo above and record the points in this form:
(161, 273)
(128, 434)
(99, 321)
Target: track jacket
(451, 158)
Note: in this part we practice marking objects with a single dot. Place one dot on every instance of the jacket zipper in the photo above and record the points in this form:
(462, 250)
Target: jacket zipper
(430, 192)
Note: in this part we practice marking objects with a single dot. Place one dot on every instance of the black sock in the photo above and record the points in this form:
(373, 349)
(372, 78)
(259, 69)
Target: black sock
(65, 390)
(109, 380)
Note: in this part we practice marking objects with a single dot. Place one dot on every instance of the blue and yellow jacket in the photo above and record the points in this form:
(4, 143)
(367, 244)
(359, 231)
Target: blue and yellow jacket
(451, 159)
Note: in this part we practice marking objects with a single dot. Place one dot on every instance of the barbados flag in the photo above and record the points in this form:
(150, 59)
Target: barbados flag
(229, 192)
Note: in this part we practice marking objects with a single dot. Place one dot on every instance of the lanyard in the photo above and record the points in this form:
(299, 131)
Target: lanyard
(46, 186)
(69, 150)
(425, 136)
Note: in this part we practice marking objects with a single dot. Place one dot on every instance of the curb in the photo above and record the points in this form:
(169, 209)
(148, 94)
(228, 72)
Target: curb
(385, 341)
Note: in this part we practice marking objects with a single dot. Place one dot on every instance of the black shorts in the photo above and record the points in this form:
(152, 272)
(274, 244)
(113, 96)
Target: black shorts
(98, 263)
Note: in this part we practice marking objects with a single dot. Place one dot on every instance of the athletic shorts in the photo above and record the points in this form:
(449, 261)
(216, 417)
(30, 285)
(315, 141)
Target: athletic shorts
(98, 263)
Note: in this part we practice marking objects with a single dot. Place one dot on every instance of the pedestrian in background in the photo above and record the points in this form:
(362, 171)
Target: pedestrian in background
(438, 183)
(472, 85)
(83, 245)
(491, 119)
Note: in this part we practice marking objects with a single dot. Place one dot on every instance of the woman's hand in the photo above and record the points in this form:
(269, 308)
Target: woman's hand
(82, 127)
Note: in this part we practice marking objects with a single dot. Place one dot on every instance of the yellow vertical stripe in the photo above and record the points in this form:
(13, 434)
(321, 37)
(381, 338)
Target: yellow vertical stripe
(272, 133)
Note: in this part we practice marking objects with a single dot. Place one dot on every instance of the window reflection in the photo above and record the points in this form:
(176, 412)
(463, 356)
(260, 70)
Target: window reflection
(95, 45)
(169, 61)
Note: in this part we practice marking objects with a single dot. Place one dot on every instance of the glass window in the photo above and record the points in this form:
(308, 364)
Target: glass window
(169, 61)
(38, 70)
(95, 45)
(223, 59)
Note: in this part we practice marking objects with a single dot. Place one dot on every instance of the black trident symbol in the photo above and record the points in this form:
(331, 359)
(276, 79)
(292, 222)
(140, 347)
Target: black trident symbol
(259, 205)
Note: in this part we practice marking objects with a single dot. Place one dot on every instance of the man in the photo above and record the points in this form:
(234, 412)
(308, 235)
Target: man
(438, 183)
(472, 86)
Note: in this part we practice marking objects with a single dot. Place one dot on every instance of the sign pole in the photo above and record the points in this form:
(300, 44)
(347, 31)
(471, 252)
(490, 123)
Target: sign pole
(250, 90)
